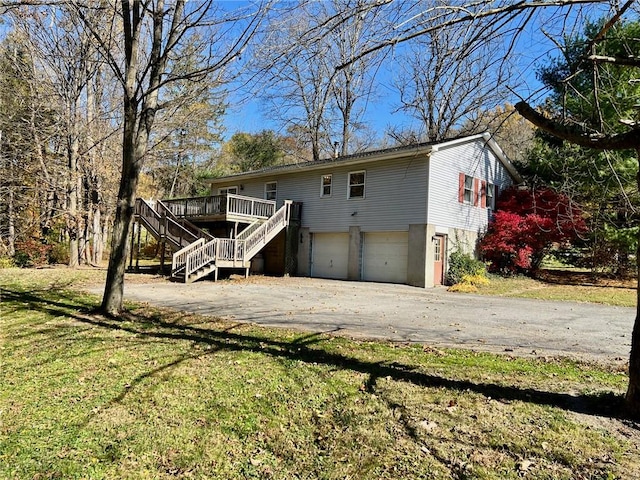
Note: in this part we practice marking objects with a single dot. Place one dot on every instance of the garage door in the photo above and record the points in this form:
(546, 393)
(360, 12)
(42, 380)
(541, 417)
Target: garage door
(330, 255)
(384, 257)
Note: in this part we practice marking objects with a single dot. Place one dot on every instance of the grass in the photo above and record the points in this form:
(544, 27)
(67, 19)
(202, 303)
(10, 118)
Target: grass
(160, 394)
(524, 287)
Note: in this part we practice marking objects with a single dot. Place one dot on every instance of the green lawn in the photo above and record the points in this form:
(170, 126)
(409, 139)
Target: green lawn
(525, 287)
(161, 394)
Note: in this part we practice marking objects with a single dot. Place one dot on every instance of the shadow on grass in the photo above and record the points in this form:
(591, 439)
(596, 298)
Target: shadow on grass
(585, 279)
(304, 349)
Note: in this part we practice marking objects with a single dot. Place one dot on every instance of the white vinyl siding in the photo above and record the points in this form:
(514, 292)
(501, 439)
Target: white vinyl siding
(396, 196)
(473, 160)
(330, 255)
(398, 191)
(384, 257)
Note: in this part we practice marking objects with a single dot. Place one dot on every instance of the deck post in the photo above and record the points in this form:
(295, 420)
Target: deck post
(138, 250)
(162, 253)
(133, 236)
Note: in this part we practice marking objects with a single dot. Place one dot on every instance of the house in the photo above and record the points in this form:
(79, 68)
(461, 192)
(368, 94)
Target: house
(391, 215)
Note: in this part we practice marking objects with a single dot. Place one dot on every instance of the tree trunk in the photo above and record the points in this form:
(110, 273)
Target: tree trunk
(96, 254)
(11, 237)
(72, 202)
(133, 147)
(632, 397)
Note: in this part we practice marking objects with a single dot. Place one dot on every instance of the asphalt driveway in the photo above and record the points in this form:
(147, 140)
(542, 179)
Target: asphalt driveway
(407, 314)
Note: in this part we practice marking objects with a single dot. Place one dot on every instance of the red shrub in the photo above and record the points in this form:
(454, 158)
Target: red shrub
(31, 252)
(525, 226)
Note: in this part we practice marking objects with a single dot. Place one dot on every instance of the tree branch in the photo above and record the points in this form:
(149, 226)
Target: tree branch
(627, 61)
(622, 141)
(468, 17)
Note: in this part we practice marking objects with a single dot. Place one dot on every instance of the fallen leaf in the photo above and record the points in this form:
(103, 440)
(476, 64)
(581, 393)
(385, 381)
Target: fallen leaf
(525, 465)
(428, 426)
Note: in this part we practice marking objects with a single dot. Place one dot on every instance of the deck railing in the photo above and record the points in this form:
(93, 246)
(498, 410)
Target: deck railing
(250, 207)
(213, 205)
(231, 250)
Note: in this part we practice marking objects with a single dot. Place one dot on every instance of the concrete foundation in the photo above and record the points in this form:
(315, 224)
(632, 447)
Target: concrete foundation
(354, 268)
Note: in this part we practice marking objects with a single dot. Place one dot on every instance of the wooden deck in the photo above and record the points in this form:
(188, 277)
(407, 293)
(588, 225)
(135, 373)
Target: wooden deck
(196, 252)
(230, 208)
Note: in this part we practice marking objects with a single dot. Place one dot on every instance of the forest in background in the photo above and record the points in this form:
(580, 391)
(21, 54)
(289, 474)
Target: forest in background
(61, 135)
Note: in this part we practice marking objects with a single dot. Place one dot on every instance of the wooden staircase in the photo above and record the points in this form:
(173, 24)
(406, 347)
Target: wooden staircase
(197, 253)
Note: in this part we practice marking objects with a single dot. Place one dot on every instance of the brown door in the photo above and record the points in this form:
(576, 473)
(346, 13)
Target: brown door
(438, 262)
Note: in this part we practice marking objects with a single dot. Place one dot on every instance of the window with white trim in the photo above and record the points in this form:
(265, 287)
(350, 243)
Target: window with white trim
(228, 190)
(468, 189)
(437, 253)
(270, 190)
(326, 182)
(356, 184)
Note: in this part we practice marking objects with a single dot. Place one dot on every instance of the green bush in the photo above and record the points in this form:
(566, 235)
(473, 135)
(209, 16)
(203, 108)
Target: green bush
(59, 253)
(461, 264)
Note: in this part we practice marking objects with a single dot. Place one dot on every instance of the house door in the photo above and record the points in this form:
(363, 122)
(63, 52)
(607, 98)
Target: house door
(438, 259)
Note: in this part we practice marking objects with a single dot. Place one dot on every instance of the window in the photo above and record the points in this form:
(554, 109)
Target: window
(270, 190)
(228, 190)
(468, 189)
(325, 185)
(356, 184)
(490, 192)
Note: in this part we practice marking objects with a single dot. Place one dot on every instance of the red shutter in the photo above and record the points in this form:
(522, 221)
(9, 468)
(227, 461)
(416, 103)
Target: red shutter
(476, 191)
(461, 187)
(483, 194)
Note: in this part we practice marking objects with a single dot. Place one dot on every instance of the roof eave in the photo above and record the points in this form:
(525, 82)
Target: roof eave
(311, 166)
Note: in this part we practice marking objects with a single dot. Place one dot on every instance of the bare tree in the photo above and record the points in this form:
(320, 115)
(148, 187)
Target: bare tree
(300, 83)
(155, 34)
(29, 178)
(444, 82)
(306, 91)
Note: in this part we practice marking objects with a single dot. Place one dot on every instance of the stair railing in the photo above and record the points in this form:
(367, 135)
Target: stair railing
(179, 261)
(161, 222)
(231, 250)
(201, 257)
(249, 230)
(262, 235)
(164, 210)
(149, 216)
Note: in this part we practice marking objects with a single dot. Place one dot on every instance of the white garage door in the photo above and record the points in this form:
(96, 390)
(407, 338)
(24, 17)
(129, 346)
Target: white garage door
(330, 255)
(384, 257)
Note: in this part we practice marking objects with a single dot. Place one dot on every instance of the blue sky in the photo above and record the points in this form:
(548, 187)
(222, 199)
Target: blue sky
(532, 49)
